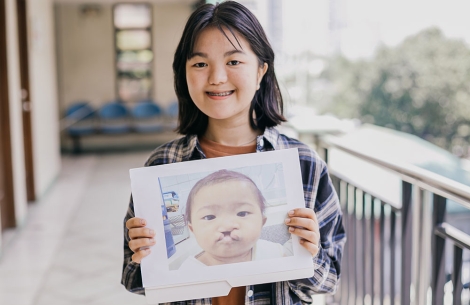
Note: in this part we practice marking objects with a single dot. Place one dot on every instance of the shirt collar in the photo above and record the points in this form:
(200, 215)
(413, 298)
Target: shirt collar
(271, 136)
(267, 140)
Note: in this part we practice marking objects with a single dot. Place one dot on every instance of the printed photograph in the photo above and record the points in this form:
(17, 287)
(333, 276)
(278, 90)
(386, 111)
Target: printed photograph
(225, 216)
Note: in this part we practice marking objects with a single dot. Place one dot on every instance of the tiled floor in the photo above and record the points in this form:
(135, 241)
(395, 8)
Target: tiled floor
(70, 249)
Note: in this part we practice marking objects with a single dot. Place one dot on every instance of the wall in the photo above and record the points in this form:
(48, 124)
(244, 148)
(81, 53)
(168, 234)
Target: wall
(16, 120)
(169, 21)
(85, 52)
(85, 49)
(43, 87)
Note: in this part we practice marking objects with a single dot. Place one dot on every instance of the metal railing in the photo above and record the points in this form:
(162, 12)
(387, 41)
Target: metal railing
(395, 253)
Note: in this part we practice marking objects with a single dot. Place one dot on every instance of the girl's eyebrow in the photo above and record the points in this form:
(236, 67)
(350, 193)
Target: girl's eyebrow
(228, 53)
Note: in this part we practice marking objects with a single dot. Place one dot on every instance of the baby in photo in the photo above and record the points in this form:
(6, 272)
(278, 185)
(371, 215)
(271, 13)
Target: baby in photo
(225, 211)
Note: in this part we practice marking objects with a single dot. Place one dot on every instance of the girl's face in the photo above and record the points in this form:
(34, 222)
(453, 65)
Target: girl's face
(221, 79)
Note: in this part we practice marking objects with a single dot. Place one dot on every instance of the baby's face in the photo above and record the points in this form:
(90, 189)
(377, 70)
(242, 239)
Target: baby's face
(226, 220)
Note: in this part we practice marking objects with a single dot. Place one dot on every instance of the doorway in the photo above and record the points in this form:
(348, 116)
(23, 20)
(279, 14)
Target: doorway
(25, 98)
(7, 206)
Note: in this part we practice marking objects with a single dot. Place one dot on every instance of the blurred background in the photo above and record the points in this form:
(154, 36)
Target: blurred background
(381, 89)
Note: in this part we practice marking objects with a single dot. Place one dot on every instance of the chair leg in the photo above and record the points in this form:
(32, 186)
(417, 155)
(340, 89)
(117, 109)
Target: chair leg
(77, 149)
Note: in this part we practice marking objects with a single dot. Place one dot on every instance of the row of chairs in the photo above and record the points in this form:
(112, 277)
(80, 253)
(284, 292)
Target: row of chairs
(82, 119)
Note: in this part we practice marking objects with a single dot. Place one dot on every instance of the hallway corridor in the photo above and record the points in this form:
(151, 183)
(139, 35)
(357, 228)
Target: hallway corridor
(69, 251)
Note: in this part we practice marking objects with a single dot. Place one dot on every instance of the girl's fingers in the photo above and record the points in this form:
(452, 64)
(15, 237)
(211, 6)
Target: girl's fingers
(136, 244)
(135, 222)
(311, 247)
(303, 213)
(305, 223)
(307, 235)
(139, 255)
(141, 233)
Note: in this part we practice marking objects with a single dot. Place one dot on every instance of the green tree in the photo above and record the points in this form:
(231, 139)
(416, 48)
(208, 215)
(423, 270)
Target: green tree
(422, 86)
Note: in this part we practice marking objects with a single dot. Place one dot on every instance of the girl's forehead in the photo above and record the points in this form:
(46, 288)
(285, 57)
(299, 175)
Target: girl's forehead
(223, 35)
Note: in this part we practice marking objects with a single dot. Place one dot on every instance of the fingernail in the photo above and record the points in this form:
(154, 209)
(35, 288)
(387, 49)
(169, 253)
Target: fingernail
(287, 220)
(142, 221)
(152, 241)
(291, 229)
(291, 212)
(151, 232)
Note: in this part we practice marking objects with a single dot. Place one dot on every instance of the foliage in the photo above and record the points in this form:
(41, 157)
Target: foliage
(422, 86)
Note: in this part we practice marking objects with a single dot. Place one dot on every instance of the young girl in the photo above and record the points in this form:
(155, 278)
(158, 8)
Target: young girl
(229, 102)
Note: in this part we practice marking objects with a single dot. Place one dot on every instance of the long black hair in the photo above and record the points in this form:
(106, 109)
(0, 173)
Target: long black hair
(267, 104)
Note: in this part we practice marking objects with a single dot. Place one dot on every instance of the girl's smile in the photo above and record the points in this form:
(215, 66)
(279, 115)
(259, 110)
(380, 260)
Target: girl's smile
(219, 95)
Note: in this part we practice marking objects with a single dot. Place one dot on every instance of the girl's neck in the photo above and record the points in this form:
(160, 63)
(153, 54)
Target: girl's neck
(231, 135)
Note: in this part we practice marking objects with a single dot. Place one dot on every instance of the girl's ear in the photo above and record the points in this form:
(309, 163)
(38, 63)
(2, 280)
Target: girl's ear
(190, 227)
(261, 72)
(264, 219)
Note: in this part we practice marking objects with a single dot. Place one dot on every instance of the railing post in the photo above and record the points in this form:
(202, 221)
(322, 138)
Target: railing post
(325, 155)
(393, 218)
(406, 247)
(457, 275)
(438, 251)
(382, 253)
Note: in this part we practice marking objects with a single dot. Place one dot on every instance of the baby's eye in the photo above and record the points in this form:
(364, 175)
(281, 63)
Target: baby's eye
(200, 65)
(233, 63)
(208, 217)
(243, 214)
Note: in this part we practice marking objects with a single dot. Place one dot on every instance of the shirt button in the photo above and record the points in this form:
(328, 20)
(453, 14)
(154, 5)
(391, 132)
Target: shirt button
(261, 143)
(249, 293)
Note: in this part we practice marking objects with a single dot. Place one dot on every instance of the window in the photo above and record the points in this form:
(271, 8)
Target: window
(134, 55)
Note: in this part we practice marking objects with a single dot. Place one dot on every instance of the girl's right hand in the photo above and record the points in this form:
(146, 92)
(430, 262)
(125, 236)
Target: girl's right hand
(141, 238)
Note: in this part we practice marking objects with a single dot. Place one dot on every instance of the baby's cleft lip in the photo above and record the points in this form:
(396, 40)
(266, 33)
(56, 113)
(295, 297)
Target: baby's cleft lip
(227, 237)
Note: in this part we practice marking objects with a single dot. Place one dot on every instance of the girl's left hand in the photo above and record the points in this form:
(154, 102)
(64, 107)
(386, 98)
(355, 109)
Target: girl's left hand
(303, 223)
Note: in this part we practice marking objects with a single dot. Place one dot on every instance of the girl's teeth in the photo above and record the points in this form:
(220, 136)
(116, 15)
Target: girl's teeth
(221, 94)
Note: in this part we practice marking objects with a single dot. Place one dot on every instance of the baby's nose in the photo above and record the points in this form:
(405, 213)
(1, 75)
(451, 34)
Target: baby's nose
(228, 226)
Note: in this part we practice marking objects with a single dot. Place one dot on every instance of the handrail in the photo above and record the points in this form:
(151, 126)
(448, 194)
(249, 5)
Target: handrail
(411, 173)
(458, 237)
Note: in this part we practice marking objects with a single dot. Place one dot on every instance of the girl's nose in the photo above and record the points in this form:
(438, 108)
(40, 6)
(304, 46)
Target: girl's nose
(218, 75)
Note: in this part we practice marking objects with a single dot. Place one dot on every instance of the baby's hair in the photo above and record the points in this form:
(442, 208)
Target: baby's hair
(266, 108)
(220, 177)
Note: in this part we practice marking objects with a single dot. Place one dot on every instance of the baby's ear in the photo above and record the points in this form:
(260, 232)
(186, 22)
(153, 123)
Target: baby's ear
(190, 227)
(264, 219)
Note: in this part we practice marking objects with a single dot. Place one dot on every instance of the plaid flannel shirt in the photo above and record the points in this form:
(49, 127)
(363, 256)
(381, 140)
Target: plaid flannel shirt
(319, 195)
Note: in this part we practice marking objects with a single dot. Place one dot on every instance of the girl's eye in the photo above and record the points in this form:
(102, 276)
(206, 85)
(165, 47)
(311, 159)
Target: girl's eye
(199, 65)
(209, 217)
(243, 214)
(233, 63)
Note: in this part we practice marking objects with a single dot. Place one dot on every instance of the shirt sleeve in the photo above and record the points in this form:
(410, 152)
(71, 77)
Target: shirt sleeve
(131, 276)
(332, 235)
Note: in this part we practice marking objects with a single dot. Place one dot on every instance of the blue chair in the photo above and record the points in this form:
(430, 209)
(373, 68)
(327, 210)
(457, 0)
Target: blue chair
(114, 118)
(147, 117)
(80, 120)
(172, 110)
(172, 115)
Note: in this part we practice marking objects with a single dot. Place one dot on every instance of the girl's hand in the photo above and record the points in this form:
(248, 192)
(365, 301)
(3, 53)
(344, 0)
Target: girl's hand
(303, 223)
(141, 238)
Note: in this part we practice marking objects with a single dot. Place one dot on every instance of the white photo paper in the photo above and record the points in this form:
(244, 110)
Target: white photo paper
(219, 224)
